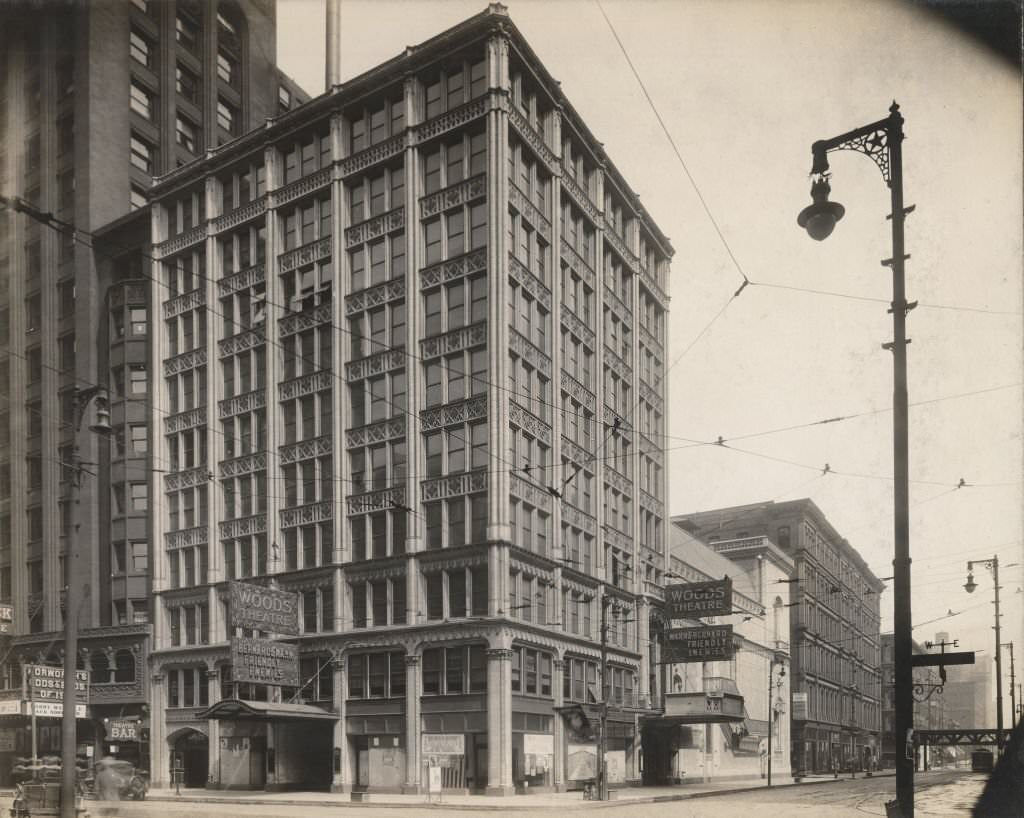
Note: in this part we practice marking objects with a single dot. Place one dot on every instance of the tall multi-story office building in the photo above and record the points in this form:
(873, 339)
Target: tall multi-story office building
(95, 99)
(834, 644)
(412, 362)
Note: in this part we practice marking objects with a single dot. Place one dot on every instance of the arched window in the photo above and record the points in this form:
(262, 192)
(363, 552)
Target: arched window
(124, 666)
(100, 665)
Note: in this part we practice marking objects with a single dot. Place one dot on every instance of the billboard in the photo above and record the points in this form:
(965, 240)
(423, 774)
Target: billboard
(46, 684)
(707, 643)
(264, 661)
(264, 609)
(692, 600)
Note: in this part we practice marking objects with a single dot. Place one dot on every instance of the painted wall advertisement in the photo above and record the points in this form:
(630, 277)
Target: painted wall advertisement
(707, 643)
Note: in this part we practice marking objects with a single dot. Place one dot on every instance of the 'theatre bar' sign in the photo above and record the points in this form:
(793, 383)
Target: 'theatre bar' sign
(709, 643)
(254, 607)
(264, 662)
(693, 600)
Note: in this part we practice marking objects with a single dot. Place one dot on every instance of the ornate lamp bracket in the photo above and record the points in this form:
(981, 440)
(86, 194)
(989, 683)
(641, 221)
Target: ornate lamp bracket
(920, 688)
(874, 141)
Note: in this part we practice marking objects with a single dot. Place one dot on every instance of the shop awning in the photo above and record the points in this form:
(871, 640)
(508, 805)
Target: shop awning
(238, 709)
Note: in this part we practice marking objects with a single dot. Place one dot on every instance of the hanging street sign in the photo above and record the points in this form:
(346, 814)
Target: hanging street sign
(707, 643)
(692, 600)
(264, 661)
(254, 607)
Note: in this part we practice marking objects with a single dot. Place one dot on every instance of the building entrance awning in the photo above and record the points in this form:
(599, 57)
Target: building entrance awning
(238, 709)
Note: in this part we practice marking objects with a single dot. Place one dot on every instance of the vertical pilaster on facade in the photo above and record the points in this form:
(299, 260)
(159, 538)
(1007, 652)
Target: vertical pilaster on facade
(558, 762)
(643, 638)
(413, 773)
(213, 727)
(338, 338)
(416, 395)
(415, 605)
(558, 476)
(499, 721)
(15, 162)
(215, 391)
(498, 527)
(600, 388)
(275, 501)
(159, 763)
(341, 780)
(158, 448)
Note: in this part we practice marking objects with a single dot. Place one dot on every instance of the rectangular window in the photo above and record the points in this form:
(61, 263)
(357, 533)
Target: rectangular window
(140, 48)
(227, 117)
(186, 133)
(141, 101)
(142, 154)
(186, 84)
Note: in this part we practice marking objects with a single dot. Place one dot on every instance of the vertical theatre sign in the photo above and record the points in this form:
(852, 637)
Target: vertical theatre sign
(257, 659)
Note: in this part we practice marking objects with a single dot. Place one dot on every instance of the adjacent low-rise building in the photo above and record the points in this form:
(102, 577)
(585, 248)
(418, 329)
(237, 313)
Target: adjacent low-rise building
(834, 627)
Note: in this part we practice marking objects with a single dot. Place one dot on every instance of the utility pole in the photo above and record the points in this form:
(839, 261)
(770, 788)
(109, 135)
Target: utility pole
(969, 586)
(602, 729)
(1013, 689)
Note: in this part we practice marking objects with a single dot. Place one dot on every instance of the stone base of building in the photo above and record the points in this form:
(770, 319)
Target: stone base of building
(411, 789)
(342, 788)
(500, 790)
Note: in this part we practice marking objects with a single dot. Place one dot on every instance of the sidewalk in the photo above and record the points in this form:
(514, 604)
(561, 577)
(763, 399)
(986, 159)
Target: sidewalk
(564, 800)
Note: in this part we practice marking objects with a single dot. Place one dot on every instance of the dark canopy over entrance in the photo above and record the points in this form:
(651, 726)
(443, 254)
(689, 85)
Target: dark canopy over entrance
(239, 709)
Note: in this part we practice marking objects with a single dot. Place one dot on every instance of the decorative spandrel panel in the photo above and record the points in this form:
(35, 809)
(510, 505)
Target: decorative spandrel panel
(452, 414)
(242, 280)
(248, 402)
(301, 187)
(373, 155)
(375, 296)
(521, 274)
(474, 261)
(240, 215)
(454, 341)
(458, 194)
(578, 391)
(450, 120)
(184, 302)
(455, 485)
(375, 228)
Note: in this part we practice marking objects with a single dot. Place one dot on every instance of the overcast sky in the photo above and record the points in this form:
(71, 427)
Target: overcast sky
(745, 87)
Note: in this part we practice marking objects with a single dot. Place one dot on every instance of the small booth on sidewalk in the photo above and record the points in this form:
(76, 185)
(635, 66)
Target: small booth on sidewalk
(271, 745)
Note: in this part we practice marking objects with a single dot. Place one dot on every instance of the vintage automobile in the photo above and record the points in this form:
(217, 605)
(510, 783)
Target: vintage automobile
(114, 779)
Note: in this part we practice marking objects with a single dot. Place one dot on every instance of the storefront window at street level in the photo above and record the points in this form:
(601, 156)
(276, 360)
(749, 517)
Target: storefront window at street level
(454, 670)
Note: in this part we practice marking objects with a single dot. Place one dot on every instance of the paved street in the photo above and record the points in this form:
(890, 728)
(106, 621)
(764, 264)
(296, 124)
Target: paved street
(941, 793)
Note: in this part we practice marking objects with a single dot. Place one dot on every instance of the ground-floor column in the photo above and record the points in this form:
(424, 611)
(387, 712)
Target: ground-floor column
(558, 760)
(159, 762)
(340, 777)
(413, 771)
(499, 722)
(213, 730)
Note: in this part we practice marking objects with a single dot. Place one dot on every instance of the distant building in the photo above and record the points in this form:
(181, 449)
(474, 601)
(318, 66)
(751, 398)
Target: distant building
(932, 709)
(696, 738)
(834, 627)
(95, 99)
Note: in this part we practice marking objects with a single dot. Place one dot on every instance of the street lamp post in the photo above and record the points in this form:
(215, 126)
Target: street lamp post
(1013, 688)
(776, 660)
(969, 586)
(73, 596)
(882, 143)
